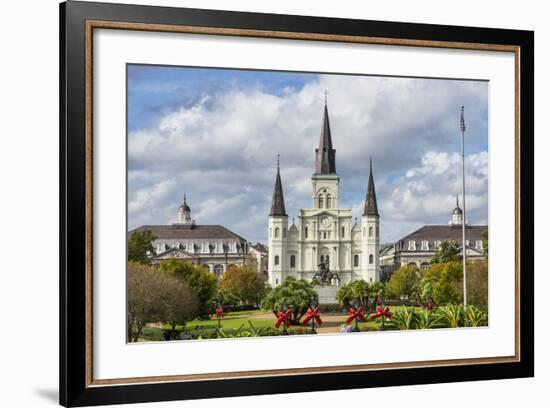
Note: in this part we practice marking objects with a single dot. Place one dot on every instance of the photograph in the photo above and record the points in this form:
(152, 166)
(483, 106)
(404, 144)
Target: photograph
(281, 203)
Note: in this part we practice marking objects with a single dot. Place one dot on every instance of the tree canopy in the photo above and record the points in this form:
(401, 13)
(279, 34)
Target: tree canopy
(203, 283)
(156, 297)
(445, 282)
(404, 282)
(449, 251)
(360, 290)
(140, 246)
(298, 294)
(244, 282)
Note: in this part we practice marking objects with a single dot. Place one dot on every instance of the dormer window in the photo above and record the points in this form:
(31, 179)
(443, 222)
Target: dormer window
(425, 246)
(479, 244)
(437, 244)
(412, 245)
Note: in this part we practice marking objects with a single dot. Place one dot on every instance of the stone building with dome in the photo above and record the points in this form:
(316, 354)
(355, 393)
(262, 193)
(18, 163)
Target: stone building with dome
(324, 233)
(213, 247)
(418, 248)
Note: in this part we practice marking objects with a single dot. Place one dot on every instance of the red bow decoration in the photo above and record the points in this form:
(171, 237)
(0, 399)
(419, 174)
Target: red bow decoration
(429, 306)
(381, 312)
(285, 317)
(219, 311)
(313, 314)
(355, 313)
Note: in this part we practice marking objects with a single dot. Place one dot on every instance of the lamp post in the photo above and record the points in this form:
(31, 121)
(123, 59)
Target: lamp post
(219, 309)
(355, 313)
(382, 311)
(285, 311)
(284, 317)
(313, 314)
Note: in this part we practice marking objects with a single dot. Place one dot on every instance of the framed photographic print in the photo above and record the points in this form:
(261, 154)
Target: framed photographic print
(256, 204)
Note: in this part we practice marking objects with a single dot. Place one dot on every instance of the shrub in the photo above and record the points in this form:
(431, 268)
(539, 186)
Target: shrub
(475, 317)
(426, 319)
(404, 282)
(298, 294)
(402, 319)
(243, 282)
(298, 330)
(478, 284)
(152, 334)
(331, 308)
(203, 283)
(359, 289)
(453, 315)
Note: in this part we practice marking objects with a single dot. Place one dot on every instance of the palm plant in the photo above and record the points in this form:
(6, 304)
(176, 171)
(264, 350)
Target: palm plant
(361, 290)
(476, 317)
(453, 315)
(403, 319)
(426, 319)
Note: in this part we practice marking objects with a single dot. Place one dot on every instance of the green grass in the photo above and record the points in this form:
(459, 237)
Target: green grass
(232, 320)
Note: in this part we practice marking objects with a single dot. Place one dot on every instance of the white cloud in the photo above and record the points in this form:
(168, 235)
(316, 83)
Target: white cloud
(222, 152)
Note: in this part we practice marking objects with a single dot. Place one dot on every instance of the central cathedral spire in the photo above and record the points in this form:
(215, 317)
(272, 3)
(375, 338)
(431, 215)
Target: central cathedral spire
(325, 155)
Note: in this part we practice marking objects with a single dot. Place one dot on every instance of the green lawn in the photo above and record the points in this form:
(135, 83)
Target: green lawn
(231, 320)
(234, 320)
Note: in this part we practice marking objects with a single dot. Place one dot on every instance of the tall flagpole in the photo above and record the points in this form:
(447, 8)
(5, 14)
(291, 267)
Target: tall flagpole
(462, 130)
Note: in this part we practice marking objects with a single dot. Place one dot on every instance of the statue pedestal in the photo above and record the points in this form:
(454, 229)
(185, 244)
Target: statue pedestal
(327, 294)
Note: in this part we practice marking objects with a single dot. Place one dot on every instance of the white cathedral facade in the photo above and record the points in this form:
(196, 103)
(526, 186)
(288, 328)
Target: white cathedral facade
(325, 233)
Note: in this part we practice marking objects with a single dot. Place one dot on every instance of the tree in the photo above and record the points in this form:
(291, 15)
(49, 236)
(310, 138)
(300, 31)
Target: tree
(478, 284)
(444, 281)
(404, 282)
(298, 294)
(243, 282)
(140, 246)
(180, 301)
(155, 297)
(448, 251)
(359, 289)
(203, 283)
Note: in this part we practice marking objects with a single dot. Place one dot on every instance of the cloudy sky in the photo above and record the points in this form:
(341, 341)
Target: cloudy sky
(215, 134)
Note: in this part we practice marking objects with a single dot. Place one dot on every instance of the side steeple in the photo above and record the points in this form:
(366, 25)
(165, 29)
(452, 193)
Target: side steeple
(325, 155)
(371, 206)
(278, 201)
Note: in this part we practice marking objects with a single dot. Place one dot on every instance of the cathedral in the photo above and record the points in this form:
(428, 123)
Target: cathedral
(325, 233)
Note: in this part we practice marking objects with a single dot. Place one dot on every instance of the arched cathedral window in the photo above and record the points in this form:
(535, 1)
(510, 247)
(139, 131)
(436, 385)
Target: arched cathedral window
(371, 259)
(305, 232)
(329, 201)
(343, 232)
(356, 260)
(293, 261)
(370, 231)
(277, 232)
(320, 201)
(276, 260)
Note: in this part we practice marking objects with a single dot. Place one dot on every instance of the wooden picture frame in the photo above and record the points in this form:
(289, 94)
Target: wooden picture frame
(78, 20)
